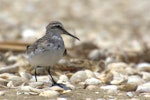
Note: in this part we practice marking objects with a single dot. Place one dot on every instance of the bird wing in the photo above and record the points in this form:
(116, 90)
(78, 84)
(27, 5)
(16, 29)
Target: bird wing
(40, 44)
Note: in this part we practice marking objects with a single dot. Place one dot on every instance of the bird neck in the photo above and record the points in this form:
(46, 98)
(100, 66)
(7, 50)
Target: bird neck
(54, 31)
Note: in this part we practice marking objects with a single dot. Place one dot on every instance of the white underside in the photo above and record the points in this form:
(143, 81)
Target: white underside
(46, 58)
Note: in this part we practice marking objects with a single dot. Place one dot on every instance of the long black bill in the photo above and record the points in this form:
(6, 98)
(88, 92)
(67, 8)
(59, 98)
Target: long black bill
(65, 32)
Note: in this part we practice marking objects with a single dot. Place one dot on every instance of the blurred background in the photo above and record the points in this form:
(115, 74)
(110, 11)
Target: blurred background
(113, 51)
(123, 24)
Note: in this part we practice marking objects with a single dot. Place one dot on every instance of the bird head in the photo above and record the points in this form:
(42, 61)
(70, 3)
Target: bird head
(56, 24)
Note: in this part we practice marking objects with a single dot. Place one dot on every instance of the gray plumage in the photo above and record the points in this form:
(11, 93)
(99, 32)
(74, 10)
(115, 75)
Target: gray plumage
(50, 48)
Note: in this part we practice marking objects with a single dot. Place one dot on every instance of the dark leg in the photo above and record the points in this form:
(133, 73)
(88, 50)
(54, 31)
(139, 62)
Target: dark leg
(57, 84)
(49, 72)
(35, 74)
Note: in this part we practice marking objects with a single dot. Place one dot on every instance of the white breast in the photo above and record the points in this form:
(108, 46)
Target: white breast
(46, 58)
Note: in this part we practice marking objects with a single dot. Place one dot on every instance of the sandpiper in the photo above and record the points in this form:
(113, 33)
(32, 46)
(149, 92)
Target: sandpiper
(49, 49)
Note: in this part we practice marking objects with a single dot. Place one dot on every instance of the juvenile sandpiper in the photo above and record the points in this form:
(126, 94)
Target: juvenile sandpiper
(49, 49)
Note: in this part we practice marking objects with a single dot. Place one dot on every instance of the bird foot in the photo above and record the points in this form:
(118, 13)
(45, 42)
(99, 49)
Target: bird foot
(62, 86)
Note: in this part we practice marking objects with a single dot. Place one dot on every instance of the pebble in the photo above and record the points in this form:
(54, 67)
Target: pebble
(64, 78)
(28, 33)
(25, 76)
(146, 76)
(92, 81)
(127, 87)
(62, 61)
(57, 88)
(117, 67)
(81, 76)
(92, 87)
(10, 84)
(117, 80)
(61, 98)
(109, 60)
(110, 87)
(144, 88)
(94, 54)
(17, 81)
(144, 67)
(7, 76)
(36, 84)
(106, 77)
(3, 81)
(147, 95)
(2, 93)
(97, 74)
(89, 73)
(77, 77)
(70, 85)
(129, 94)
(130, 70)
(12, 59)
(135, 79)
(26, 89)
(49, 93)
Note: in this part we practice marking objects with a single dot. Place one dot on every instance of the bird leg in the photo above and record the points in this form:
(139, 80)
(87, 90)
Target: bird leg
(35, 74)
(49, 72)
(57, 84)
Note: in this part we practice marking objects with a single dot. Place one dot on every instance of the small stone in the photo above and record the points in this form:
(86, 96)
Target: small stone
(36, 84)
(17, 81)
(57, 88)
(147, 95)
(94, 55)
(129, 94)
(96, 92)
(3, 81)
(70, 85)
(64, 78)
(135, 79)
(144, 88)
(128, 87)
(79, 76)
(109, 60)
(106, 77)
(117, 80)
(28, 33)
(144, 67)
(25, 76)
(49, 93)
(61, 98)
(97, 74)
(92, 87)
(117, 67)
(110, 87)
(62, 61)
(10, 84)
(92, 81)
(28, 90)
(25, 88)
(12, 59)
(89, 73)
(66, 91)
(146, 76)
(2, 93)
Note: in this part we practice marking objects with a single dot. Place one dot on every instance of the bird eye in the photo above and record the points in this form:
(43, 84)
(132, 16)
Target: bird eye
(57, 25)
